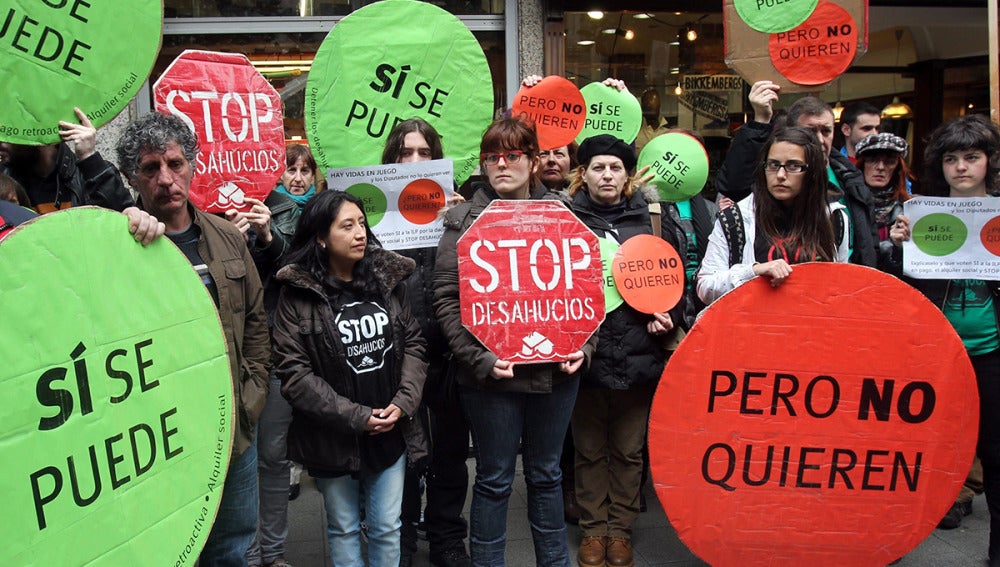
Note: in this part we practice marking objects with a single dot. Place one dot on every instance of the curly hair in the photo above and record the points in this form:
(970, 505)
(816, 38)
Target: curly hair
(972, 131)
(152, 133)
(805, 224)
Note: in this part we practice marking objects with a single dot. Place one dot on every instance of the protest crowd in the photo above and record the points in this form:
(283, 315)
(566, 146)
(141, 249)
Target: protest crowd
(351, 362)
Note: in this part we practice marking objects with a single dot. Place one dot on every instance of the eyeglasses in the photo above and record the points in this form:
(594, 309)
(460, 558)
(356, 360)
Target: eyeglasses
(791, 167)
(510, 156)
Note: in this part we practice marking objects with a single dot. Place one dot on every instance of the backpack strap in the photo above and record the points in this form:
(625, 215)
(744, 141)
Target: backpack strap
(732, 226)
(838, 227)
(655, 212)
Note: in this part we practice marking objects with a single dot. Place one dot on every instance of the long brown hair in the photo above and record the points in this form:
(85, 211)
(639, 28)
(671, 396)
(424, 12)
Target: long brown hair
(803, 226)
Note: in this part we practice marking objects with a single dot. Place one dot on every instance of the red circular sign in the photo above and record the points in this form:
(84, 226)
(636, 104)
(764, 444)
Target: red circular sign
(556, 107)
(530, 281)
(649, 274)
(819, 49)
(831, 420)
(237, 117)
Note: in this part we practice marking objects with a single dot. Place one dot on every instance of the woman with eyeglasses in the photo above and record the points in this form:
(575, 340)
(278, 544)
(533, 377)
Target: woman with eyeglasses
(508, 407)
(786, 220)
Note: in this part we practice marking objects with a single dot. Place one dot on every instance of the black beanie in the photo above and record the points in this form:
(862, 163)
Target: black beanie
(606, 145)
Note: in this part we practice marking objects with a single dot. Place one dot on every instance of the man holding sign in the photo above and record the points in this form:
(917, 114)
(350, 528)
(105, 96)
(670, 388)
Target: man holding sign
(157, 153)
(958, 157)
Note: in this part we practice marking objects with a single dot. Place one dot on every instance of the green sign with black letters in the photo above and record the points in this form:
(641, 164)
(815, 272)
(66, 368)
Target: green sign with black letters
(118, 425)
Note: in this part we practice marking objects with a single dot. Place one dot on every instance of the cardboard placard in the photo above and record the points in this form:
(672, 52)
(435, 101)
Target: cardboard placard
(402, 200)
(649, 274)
(747, 51)
(530, 281)
(57, 55)
(610, 111)
(817, 51)
(390, 61)
(236, 114)
(557, 109)
(787, 430)
(118, 432)
(679, 164)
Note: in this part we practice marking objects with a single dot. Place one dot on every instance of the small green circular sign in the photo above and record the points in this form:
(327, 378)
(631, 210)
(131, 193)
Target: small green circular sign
(679, 165)
(610, 111)
(60, 54)
(939, 234)
(774, 16)
(374, 199)
(118, 428)
(612, 299)
(390, 61)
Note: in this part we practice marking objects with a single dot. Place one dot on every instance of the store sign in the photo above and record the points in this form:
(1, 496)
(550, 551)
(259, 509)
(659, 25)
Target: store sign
(710, 105)
(530, 281)
(236, 114)
(712, 83)
(779, 422)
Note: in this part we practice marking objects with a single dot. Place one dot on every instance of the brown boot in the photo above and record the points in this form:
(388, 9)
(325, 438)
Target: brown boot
(619, 553)
(592, 550)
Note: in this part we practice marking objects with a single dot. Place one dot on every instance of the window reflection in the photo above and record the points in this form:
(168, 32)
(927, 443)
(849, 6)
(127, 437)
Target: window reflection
(302, 8)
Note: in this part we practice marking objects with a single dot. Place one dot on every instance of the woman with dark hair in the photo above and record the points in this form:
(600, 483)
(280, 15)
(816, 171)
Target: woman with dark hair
(298, 182)
(785, 221)
(412, 140)
(351, 362)
(504, 403)
(616, 391)
(882, 159)
(960, 163)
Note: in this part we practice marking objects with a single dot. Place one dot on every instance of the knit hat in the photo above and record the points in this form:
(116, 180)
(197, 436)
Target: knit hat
(606, 145)
(883, 141)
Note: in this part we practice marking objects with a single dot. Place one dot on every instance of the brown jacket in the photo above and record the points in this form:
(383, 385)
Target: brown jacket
(310, 359)
(241, 311)
(475, 360)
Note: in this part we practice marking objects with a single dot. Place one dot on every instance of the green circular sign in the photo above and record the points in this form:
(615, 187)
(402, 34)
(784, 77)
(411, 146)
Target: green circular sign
(70, 53)
(939, 234)
(391, 61)
(679, 165)
(612, 299)
(374, 199)
(774, 16)
(610, 111)
(118, 428)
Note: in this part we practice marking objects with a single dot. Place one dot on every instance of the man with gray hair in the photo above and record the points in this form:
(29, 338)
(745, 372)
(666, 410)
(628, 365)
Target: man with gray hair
(157, 154)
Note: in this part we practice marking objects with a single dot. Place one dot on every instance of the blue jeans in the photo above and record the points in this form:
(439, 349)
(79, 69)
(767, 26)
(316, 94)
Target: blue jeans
(500, 422)
(272, 447)
(236, 522)
(383, 493)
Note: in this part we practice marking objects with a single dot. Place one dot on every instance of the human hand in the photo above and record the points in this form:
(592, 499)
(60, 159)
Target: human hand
(143, 226)
(763, 94)
(531, 80)
(777, 270)
(455, 199)
(642, 176)
(384, 419)
(572, 363)
(614, 83)
(900, 230)
(502, 369)
(83, 135)
(725, 202)
(257, 218)
(661, 324)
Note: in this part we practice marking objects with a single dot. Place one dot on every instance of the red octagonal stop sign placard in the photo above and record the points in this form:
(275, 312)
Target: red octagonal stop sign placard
(237, 117)
(829, 421)
(530, 281)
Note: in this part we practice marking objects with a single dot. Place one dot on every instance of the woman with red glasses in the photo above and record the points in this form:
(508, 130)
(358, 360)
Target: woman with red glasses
(508, 407)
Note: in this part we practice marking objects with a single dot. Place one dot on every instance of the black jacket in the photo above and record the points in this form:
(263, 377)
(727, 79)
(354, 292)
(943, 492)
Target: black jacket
(627, 355)
(735, 180)
(92, 181)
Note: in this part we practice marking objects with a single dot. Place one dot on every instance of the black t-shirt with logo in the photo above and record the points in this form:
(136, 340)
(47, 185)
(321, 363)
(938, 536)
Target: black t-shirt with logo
(365, 331)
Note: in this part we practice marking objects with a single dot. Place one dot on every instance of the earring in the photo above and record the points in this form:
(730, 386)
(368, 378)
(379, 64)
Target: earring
(322, 245)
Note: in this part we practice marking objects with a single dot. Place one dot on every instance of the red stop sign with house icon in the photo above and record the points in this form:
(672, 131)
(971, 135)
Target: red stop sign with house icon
(236, 114)
(530, 281)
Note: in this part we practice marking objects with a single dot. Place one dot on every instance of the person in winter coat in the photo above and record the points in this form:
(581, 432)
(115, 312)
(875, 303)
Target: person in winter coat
(504, 403)
(960, 161)
(616, 391)
(786, 221)
(351, 363)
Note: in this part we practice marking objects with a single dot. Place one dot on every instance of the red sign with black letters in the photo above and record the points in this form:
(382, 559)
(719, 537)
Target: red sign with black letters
(236, 114)
(531, 284)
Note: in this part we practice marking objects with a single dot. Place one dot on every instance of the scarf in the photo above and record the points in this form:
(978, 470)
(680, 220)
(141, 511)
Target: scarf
(299, 199)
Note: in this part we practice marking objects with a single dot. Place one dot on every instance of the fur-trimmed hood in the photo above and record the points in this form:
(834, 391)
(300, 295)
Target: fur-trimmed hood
(390, 270)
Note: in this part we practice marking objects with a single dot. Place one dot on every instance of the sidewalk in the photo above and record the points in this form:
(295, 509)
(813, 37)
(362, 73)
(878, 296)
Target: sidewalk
(654, 541)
